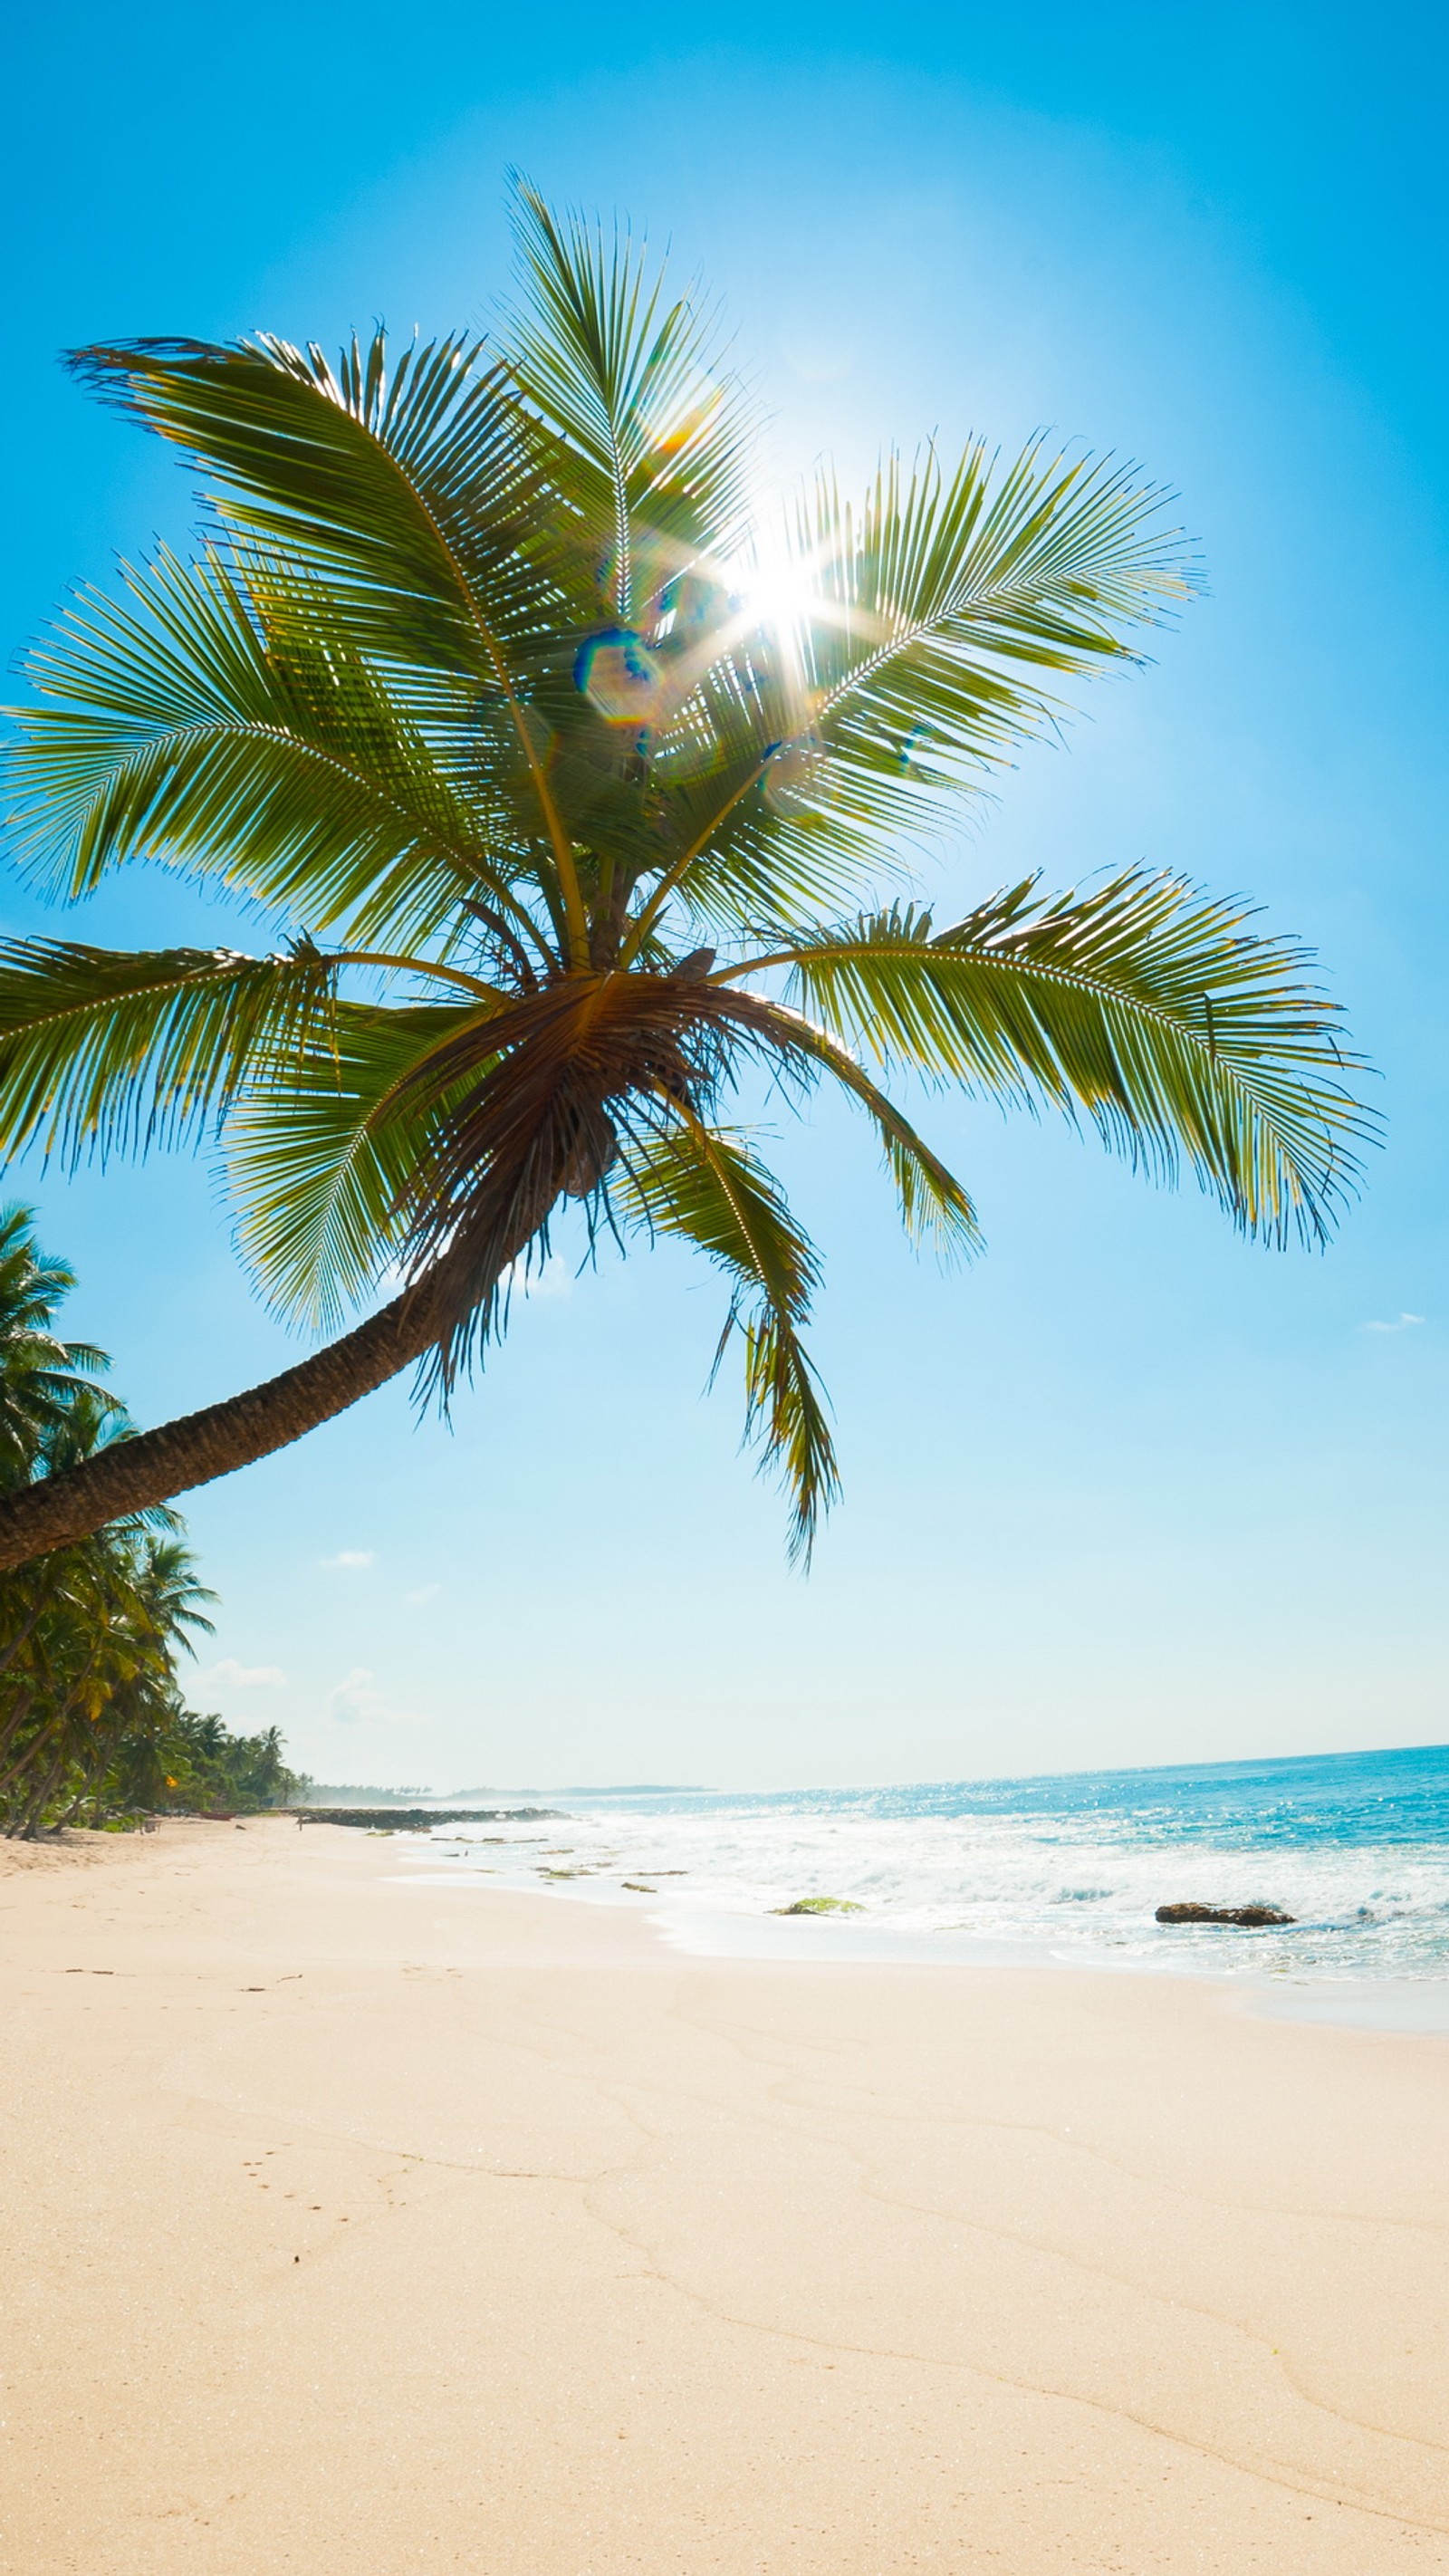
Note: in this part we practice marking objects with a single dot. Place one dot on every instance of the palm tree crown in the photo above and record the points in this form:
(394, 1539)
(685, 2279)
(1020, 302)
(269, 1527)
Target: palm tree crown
(579, 787)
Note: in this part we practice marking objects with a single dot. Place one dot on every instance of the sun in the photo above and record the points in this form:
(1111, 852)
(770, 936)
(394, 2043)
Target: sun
(777, 589)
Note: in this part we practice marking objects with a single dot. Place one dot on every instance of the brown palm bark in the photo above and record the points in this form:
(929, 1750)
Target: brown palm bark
(198, 1447)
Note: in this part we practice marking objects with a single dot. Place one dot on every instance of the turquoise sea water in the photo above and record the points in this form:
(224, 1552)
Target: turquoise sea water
(1354, 1845)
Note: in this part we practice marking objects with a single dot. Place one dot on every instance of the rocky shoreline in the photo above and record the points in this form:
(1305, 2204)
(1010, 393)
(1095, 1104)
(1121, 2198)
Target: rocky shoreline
(394, 1820)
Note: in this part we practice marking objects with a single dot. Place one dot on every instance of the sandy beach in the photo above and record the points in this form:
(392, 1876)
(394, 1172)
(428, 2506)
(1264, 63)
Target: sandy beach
(354, 2225)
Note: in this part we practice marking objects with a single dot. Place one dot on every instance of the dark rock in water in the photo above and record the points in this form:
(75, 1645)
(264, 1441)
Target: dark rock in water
(1253, 1918)
(412, 1820)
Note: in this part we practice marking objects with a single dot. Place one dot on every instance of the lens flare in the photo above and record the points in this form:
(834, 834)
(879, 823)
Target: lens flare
(619, 676)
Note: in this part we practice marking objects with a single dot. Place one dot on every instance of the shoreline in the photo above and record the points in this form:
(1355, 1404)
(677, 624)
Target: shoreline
(1416, 2006)
(716, 1932)
(348, 2231)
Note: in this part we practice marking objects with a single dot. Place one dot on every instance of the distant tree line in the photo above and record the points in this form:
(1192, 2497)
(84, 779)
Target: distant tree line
(94, 1728)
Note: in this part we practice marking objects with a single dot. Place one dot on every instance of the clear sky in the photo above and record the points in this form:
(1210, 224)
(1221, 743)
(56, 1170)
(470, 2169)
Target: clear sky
(1126, 1491)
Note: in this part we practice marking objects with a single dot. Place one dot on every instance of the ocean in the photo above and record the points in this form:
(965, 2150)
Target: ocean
(1355, 1846)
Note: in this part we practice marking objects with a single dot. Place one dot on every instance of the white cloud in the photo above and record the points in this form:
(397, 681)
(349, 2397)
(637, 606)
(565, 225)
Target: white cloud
(244, 1676)
(357, 1701)
(356, 1698)
(426, 1592)
(1401, 1324)
(351, 1558)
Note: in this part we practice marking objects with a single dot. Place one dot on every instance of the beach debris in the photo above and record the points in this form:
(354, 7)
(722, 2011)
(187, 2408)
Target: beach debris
(1251, 1918)
(820, 1905)
(638, 1888)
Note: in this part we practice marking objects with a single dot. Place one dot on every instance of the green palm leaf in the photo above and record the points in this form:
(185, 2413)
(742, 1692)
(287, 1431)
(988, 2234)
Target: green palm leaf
(203, 723)
(1144, 1004)
(948, 589)
(905, 658)
(653, 440)
(405, 487)
(410, 495)
(934, 1208)
(116, 1051)
(709, 1188)
(323, 1148)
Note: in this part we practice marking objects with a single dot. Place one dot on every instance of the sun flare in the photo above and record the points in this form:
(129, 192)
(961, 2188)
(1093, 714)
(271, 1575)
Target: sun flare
(778, 591)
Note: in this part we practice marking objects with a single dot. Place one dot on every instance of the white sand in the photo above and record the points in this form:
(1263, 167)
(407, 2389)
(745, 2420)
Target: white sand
(352, 2227)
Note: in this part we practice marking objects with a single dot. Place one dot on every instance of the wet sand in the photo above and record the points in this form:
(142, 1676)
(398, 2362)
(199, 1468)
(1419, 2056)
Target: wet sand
(350, 2226)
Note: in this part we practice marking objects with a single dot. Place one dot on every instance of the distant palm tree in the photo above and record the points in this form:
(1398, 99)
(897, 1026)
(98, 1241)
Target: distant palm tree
(40, 1377)
(106, 1664)
(573, 781)
(90, 1634)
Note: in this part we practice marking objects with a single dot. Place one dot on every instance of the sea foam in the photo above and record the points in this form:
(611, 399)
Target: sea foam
(1354, 1846)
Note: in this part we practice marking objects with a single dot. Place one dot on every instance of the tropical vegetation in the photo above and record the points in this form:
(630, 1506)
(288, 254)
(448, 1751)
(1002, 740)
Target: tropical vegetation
(93, 1726)
(578, 787)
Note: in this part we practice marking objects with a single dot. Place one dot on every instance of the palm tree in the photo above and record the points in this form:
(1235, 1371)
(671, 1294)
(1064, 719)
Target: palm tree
(577, 787)
(40, 1377)
(52, 1414)
(89, 1634)
(154, 1602)
(102, 1675)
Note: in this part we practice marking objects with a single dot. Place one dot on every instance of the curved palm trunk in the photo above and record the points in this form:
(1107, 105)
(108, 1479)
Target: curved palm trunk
(29, 1831)
(11, 1729)
(196, 1448)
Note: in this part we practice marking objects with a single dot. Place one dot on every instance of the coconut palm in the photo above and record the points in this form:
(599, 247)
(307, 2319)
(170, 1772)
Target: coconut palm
(100, 1679)
(52, 1414)
(89, 1633)
(40, 1377)
(577, 787)
(100, 1671)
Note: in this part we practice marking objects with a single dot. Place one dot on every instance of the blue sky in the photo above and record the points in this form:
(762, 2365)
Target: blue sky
(1128, 1490)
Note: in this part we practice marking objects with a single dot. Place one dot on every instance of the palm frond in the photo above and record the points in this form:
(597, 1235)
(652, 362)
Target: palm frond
(407, 485)
(323, 1149)
(706, 1186)
(923, 620)
(211, 721)
(736, 844)
(104, 1050)
(903, 662)
(1144, 1004)
(653, 436)
(410, 494)
(948, 588)
(934, 1207)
